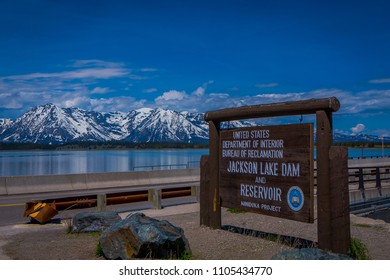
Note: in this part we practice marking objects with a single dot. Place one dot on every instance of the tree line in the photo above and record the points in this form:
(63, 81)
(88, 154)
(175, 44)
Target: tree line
(109, 145)
(117, 145)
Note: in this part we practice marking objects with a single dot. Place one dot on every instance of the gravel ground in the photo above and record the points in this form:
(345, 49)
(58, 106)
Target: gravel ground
(52, 242)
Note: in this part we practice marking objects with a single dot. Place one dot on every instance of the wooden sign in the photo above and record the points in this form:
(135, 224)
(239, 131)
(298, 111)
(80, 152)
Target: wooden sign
(268, 170)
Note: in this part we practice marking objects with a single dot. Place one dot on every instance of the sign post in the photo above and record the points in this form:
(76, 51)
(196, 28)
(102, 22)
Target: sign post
(269, 170)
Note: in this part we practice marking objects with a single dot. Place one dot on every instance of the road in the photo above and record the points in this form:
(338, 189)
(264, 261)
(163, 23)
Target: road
(12, 208)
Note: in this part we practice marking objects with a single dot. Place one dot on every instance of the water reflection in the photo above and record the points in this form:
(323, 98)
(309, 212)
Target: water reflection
(73, 162)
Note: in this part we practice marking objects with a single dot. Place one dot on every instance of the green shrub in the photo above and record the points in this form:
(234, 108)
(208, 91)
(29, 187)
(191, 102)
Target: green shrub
(185, 256)
(357, 250)
(99, 250)
(235, 211)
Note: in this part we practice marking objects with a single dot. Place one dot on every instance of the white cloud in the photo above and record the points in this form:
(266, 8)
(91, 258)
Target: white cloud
(365, 102)
(79, 101)
(340, 131)
(182, 101)
(380, 81)
(7, 101)
(381, 132)
(80, 84)
(120, 103)
(171, 95)
(281, 97)
(351, 103)
(100, 90)
(358, 128)
(148, 69)
(200, 101)
(70, 88)
(93, 63)
(137, 77)
(219, 95)
(150, 90)
(200, 91)
(91, 73)
(270, 85)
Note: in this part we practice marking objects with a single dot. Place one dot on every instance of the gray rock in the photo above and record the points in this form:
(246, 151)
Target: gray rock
(309, 254)
(139, 236)
(94, 221)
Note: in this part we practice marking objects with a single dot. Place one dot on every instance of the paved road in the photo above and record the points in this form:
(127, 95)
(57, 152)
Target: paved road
(11, 209)
(11, 214)
(380, 215)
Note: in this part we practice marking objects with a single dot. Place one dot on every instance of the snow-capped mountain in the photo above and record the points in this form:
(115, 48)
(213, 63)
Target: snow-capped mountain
(51, 124)
(4, 124)
(161, 125)
(338, 137)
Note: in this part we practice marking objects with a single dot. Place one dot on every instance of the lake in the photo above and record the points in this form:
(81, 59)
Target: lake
(19, 163)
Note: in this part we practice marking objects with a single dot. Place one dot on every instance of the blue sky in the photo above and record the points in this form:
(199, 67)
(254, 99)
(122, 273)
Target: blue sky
(197, 56)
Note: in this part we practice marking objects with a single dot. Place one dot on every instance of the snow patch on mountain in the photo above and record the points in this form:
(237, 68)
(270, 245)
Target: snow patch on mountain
(54, 125)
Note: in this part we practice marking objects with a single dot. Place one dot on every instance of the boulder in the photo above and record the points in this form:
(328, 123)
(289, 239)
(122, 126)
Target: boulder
(94, 221)
(309, 254)
(139, 236)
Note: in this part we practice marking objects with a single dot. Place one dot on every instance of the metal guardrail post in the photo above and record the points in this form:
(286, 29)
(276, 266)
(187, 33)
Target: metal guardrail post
(195, 192)
(154, 196)
(361, 183)
(101, 202)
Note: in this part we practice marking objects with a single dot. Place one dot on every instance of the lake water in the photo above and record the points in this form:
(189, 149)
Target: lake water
(73, 162)
(19, 163)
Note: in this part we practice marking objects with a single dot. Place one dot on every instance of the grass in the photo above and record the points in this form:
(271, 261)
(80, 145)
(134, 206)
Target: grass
(273, 238)
(95, 234)
(185, 256)
(235, 211)
(99, 250)
(357, 250)
(363, 225)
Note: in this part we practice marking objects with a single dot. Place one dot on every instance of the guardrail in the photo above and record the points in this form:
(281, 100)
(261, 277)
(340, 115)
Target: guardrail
(366, 182)
(368, 157)
(190, 164)
(370, 178)
(371, 205)
(92, 182)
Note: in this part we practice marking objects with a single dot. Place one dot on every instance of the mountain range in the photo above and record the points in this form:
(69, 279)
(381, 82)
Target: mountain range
(50, 124)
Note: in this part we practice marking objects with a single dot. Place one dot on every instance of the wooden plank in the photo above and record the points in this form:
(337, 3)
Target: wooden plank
(205, 204)
(340, 222)
(215, 213)
(311, 106)
(324, 141)
(268, 170)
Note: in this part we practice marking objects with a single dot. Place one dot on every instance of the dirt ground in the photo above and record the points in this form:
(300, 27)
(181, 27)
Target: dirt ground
(52, 242)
